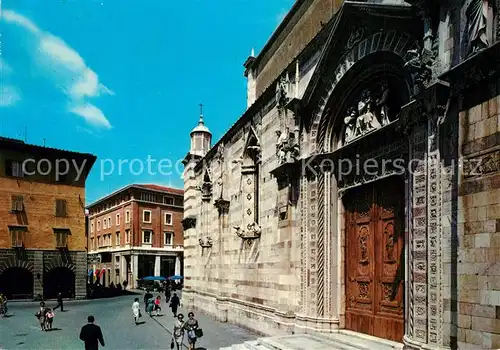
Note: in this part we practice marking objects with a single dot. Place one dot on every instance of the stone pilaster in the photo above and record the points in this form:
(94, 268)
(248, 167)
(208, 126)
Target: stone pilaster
(80, 260)
(38, 273)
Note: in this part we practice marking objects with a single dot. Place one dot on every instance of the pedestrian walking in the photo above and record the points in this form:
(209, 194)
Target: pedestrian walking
(168, 292)
(174, 304)
(150, 306)
(147, 296)
(193, 331)
(136, 310)
(59, 302)
(178, 333)
(158, 305)
(49, 319)
(91, 335)
(40, 315)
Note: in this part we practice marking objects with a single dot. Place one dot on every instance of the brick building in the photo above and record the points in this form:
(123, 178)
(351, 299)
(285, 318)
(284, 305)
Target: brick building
(43, 247)
(360, 190)
(136, 232)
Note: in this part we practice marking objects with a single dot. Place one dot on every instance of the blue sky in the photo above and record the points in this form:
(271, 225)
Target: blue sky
(123, 79)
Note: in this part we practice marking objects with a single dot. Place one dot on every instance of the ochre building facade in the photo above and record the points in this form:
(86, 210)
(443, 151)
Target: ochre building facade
(43, 243)
(361, 188)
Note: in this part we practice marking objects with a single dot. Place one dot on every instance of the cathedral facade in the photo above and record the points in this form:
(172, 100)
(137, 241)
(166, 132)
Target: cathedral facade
(361, 188)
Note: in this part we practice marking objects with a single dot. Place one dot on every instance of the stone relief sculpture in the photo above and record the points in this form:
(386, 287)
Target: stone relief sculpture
(419, 65)
(253, 231)
(382, 105)
(220, 183)
(282, 88)
(205, 242)
(350, 122)
(477, 25)
(206, 187)
(287, 147)
(369, 114)
(366, 120)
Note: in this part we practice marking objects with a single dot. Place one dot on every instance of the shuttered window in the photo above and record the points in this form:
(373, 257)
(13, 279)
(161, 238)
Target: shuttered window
(61, 208)
(17, 234)
(61, 237)
(17, 203)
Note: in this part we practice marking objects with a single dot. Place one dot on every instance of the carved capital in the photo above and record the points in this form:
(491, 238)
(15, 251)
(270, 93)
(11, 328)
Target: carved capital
(252, 231)
(222, 205)
(205, 242)
(189, 222)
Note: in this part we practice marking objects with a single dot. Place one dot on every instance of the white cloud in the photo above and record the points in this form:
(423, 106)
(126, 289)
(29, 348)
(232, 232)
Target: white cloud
(91, 114)
(68, 69)
(15, 18)
(9, 96)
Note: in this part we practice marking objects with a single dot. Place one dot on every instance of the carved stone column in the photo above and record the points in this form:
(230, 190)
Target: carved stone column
(425, 270)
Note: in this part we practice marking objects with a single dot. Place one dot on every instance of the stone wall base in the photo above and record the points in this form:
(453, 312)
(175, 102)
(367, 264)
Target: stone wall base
(38, 262)
(262, 319)
(411, 344)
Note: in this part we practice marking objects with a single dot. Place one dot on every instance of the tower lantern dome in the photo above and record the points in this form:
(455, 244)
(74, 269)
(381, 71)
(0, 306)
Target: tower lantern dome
(201, 137)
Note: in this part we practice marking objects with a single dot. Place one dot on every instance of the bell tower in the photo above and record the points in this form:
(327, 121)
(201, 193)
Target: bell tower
(201, 137)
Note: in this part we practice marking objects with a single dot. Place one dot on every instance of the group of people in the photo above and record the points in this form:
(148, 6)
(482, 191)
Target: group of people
(45, 316)
(181, 327)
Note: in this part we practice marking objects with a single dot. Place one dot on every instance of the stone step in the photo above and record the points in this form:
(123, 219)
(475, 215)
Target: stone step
(340, 340)
(303, 342)
(359, 340)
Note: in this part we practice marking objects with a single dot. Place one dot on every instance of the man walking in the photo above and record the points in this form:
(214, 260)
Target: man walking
(59, 302)
(91, 334)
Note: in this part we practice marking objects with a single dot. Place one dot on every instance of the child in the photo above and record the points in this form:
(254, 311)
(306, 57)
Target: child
(50, 318)
(157, 305)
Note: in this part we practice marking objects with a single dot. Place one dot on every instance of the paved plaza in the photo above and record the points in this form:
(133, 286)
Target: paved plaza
(114, 315)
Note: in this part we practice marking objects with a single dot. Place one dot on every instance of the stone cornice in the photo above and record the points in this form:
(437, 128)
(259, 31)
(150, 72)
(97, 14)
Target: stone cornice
(475, 71)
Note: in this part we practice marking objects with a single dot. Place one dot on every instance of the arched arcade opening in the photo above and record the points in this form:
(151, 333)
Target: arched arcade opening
(16, 283)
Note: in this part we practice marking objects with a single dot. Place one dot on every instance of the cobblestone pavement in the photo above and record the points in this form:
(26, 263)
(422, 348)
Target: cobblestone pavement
(21, 330)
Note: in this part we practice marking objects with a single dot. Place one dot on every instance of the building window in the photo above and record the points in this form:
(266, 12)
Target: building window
(98, 225)
(61, 237)
(91, 227)
(13, 168)
(146, 216)
(117, 219)
(147, 237)
(168, 200)
(127, 216)
(118, 243)
(98, 242)
(17, 203)
(147, 197)
(91, 244)
(169, 238)
(127, 236)
(61, 208)
(168, 219)
(17, 235)
(104, 224)
(109, 222)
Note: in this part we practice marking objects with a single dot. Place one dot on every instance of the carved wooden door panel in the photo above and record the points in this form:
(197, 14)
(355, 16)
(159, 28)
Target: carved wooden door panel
(374, 260)
(389, 269)
(360, 290)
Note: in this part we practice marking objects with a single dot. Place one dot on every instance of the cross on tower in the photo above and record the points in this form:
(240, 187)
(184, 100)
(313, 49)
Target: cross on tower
(201, 108)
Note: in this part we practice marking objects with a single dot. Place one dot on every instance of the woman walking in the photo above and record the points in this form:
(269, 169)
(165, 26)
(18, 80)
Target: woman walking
(191, 327)
(174, 304)
(158, 305)
(136, 310)
(178, 334)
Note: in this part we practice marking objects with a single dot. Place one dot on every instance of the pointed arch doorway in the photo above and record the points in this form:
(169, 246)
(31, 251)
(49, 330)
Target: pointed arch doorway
(374, 258)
